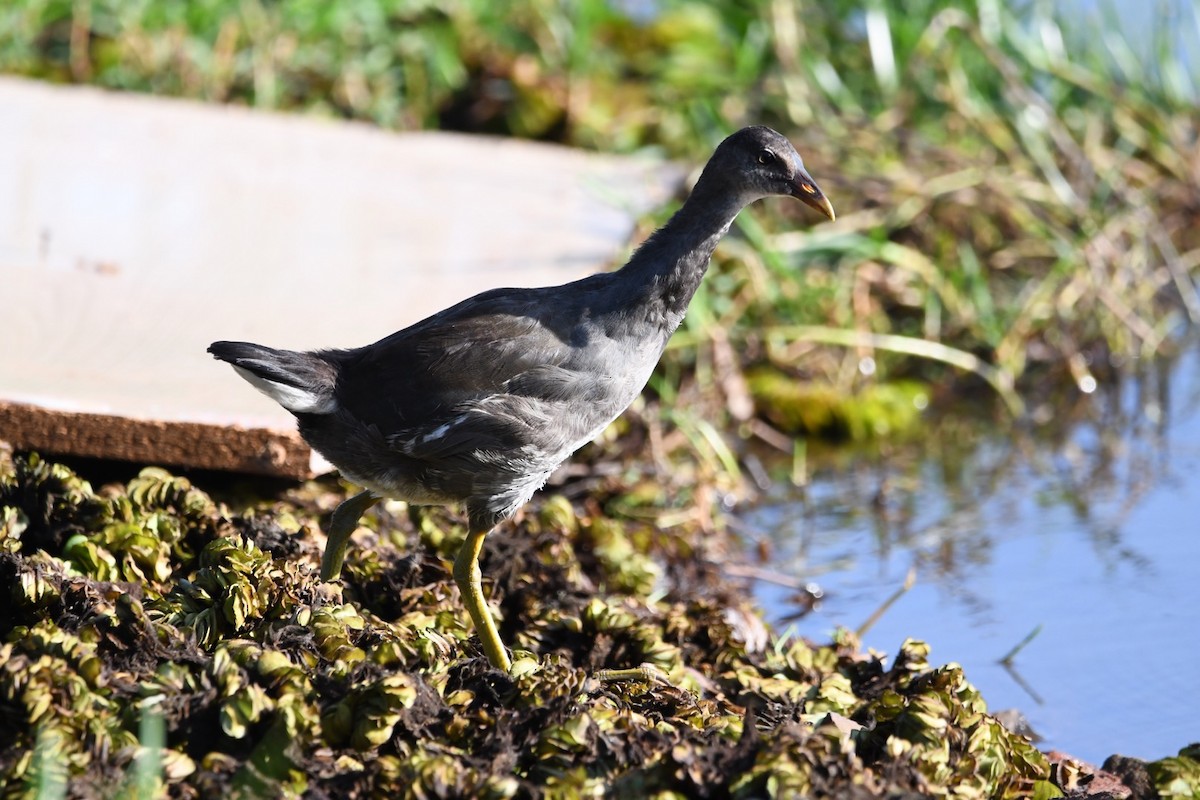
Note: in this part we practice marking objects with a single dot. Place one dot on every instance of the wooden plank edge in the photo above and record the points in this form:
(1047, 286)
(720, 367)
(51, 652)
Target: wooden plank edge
(258, 451)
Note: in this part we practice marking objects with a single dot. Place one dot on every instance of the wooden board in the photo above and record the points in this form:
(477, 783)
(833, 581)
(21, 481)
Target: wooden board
(136, 230)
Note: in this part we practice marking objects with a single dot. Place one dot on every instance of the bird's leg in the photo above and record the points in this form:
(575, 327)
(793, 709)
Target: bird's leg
(344, 521)
(469, 580)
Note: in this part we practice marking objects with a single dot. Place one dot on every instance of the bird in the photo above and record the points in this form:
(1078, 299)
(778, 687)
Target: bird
(480, 403)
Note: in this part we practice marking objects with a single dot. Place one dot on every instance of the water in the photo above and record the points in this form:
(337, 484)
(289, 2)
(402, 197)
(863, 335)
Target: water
(1165, 34)
(1086, 527)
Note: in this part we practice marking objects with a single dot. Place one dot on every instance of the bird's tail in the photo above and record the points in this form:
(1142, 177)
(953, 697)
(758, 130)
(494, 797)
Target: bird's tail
(303, 383)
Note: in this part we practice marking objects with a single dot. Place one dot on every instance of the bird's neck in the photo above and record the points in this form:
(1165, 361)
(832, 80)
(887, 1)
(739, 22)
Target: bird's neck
(667, 269)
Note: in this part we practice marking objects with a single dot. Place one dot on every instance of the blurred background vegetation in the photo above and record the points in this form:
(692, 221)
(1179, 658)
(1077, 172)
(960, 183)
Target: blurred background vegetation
(1016, 209)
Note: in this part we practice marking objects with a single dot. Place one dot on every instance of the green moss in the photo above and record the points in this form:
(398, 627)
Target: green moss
(807, 408)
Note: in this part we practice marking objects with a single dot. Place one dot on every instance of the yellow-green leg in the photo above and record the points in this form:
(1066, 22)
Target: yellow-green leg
(344, 522)
(469, 580)
(646, 673)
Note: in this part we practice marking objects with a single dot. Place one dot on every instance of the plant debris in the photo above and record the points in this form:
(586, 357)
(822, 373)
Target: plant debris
(152, 600)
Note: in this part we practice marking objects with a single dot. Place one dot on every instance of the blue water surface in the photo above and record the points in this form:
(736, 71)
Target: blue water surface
(1085, 528)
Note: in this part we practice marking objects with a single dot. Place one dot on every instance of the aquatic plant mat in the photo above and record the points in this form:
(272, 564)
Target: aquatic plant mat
(157, 642)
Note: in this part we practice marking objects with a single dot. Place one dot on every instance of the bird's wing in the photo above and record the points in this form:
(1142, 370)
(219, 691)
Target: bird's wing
(423, 377)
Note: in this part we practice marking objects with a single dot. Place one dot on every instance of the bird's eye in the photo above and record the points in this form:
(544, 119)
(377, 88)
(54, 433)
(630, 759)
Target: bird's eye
(766, 157)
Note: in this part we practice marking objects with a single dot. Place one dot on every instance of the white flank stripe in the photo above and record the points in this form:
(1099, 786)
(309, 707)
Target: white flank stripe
(443, 429)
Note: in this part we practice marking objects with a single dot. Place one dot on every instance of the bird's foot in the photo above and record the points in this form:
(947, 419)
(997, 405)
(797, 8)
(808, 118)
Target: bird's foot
(470, 585)
(647, 673)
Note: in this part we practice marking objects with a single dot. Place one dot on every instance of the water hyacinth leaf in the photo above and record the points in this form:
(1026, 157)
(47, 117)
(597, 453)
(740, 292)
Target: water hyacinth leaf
(337, 723)
(574, 735)
(1177, 776)
(834, 694)
(36, 589)
(244, 652)
(13, 523)
(176, 766)
(1045, 790)
(234, 719)
(523, 667)
(634, 572)
(239, 605)
(38, 700)
(274, 664)
(271, 769)
(244, 708)
(90, 558)
(145, 554)
(557, 514)
(377, 709)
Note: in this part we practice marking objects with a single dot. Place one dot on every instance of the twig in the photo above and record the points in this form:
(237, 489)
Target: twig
(1170, 254)
(909, 581)
(800, 463)
(1020, 681)
(762, 574)
(771, 436)
(1012, 654)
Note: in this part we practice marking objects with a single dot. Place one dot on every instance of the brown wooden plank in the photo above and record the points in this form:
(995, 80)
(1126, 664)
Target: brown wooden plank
(260, 451)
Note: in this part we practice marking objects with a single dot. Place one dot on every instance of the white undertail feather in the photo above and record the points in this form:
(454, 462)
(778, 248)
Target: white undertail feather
(293, 398)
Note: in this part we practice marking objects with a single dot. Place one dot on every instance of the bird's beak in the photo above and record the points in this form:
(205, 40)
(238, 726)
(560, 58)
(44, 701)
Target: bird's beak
(805, 189)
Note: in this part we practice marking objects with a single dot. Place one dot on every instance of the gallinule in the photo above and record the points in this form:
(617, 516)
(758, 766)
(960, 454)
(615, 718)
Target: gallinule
(481, 402)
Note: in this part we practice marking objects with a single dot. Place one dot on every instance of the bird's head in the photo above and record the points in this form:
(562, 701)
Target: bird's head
(764, 163)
